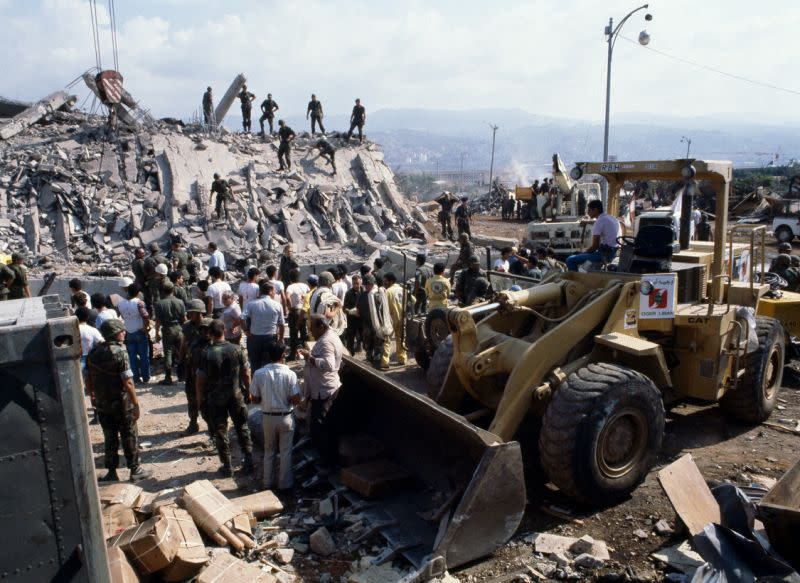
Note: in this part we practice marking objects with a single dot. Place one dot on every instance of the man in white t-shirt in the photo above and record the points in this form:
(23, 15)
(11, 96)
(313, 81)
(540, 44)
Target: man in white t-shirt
(502, 264)
(277, 285)
(89, 335)
(296, 295)
(604, 238)
(215, 291)
(275, 388)
(137, 321)
(339, 287)
(248, 290)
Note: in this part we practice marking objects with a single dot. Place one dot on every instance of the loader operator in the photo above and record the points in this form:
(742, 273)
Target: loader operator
(604, 238)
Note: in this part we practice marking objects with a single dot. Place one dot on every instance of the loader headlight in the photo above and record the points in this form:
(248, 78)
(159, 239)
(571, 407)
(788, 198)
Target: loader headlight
(688, 172)
(576, 173)
(646, 288)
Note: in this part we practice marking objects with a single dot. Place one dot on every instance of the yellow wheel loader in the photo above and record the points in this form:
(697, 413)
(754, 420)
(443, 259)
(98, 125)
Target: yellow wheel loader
(596, 356)
(578, 369)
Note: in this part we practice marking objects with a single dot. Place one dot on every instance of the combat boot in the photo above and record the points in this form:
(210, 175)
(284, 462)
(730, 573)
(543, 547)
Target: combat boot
(167, 379)
(192, 429)
(139, 473)
(247, 466)
(111, 476)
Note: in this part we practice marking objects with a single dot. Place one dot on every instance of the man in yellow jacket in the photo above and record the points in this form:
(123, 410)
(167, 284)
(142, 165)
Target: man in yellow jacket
(394, 297)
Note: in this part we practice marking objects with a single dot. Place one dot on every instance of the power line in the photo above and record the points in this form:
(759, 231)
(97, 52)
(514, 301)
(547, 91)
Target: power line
(113, 17)
(713, 70)
(95, 32)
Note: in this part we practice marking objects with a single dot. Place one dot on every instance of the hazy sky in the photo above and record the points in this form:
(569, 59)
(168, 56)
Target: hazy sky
(544, 56)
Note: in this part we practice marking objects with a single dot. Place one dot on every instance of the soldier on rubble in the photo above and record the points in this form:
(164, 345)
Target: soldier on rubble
(208, 106)
(194, 339)
(357, 120)
(447, 201)
(153, 278)
(110, 385)
(19, 287)
(222, 189)
(286, 135)
(314, 109)
(221, 369)
(463, 217)
(247, 107)
(268, 108)
(328, 152)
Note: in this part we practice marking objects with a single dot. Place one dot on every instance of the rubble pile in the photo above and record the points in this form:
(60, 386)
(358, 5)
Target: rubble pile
(74, 194)
(490, 203)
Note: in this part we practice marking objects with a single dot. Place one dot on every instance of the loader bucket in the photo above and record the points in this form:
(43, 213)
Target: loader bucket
(466, 495)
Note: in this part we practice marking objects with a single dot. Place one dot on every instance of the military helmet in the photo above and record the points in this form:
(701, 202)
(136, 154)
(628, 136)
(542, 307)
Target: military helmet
(153, 246)
(326, 278)
(111, 328)
(197, 306)
(167, 286)
(795, 260)
(463, 238)
(481, 286)
(785, 248)
(783, 261)
(474, 259)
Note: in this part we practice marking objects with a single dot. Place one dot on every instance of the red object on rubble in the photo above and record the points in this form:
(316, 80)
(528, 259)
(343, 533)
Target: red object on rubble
(109, 84)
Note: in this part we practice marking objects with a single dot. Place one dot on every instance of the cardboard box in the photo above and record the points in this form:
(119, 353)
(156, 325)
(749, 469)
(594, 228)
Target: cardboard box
(119, 567)
(119, 493)
(117, 518)
(151, 546)
(191, 555)
(261, 504)
(207, 505)
(149, 502)
(225, 568)
(376, 478)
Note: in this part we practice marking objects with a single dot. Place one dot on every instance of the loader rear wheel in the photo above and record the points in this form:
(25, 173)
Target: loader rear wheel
(601, 433)
(436, 327)
(784, 234)
(756, 394)
(437, 369)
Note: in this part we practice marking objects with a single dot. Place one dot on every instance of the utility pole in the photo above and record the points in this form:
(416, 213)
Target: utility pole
(491, 164)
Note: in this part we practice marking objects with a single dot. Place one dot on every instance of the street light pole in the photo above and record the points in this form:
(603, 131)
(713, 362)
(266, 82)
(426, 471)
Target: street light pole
(688, 145)
(491, 164)
(611, 33)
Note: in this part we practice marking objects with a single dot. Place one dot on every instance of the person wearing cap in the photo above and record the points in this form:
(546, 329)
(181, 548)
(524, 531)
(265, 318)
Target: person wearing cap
(110, 385)
(217, 287)
(276, 390)
(221, 370)
(248, 290)
(262, 321)
(463, 217)
(19, 287)
(296, 294)
(170, 314)
(137, 323)
(195, 338)
(321, 380)
(153, 278)
(466, 281)
(394, 298)
(216, 258)
(421, 276)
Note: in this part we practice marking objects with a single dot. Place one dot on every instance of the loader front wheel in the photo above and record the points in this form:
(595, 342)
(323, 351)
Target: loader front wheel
(601, 433)
(437, 369)
(756, 394)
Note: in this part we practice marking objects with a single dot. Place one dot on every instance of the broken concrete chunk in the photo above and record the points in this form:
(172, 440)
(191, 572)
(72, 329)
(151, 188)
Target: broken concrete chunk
(587, 561)
(322, 542)
(283, 556)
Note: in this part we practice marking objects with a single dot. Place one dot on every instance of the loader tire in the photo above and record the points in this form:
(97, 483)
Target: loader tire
(436, 328)
(756, 393)
(437, 369)
(784, 234)
(601, 433)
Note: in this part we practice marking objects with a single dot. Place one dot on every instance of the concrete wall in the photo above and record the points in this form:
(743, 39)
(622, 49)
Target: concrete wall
(106, 285)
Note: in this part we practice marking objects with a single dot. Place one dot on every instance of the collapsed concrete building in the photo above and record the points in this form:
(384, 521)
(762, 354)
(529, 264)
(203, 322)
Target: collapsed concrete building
(78, 198)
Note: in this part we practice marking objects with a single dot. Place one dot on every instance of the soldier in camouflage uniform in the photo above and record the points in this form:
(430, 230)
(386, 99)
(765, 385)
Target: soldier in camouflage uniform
(6, 277)
(170, 316)
(181, 291)
(153, 278)
(110, 385)
(19, 287)
(137, 267)
(222, 367)
(782, 265)
(181, 259)
(193, 336)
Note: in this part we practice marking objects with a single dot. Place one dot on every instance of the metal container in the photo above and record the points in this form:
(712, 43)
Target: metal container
(51, 526)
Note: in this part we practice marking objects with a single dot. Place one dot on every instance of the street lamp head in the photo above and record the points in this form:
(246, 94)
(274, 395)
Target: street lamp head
(644, 38)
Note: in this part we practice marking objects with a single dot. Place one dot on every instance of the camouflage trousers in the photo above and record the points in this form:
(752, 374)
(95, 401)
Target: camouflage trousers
(191, 396)
(218, 412)
(172, 337)
(120, 424)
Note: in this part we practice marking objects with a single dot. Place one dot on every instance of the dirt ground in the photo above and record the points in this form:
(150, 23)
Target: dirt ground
(722, 450)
